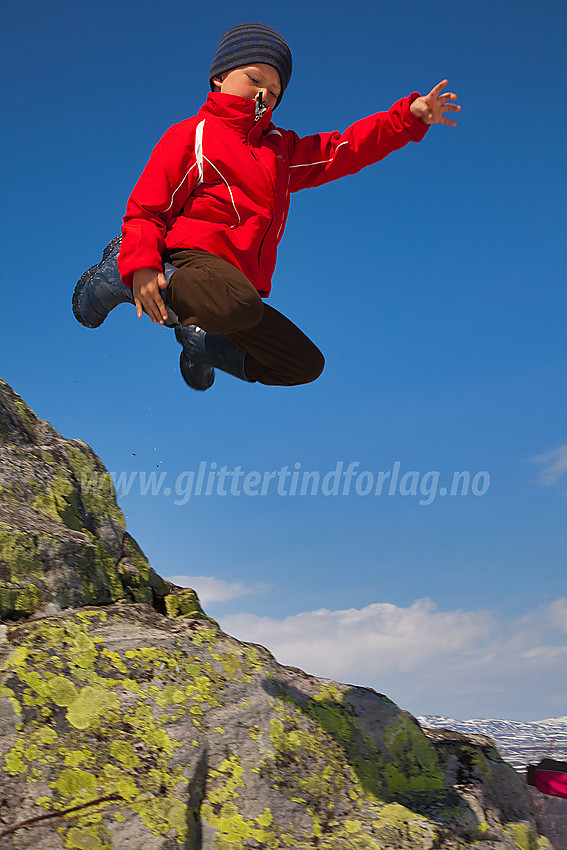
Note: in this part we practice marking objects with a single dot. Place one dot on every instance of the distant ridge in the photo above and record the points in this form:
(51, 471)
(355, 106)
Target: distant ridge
(518, 743)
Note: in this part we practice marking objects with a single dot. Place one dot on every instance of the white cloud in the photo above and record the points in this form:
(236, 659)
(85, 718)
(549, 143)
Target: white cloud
(557, 613)
(210, 589)
(393, 639)
(555, 465)
(463, 663)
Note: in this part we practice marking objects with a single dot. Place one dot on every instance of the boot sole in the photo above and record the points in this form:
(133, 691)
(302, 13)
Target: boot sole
(85, 279)
(199, 389)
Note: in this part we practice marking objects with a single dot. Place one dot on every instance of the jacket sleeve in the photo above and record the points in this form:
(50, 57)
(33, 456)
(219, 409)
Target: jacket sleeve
(158, 197)
(318, 159)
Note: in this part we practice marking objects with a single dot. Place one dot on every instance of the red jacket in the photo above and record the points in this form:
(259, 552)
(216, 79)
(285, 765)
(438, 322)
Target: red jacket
(220, 182)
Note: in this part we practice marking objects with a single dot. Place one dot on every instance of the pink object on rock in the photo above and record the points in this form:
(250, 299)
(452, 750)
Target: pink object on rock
(549, 777)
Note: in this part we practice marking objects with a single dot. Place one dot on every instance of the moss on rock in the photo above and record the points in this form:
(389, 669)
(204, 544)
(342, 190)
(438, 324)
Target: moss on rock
(62, 534)
(160, 731)
(94, 484)
(184, 602)
(207, 739)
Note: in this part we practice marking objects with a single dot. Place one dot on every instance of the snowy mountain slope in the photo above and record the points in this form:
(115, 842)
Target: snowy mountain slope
(518, 743)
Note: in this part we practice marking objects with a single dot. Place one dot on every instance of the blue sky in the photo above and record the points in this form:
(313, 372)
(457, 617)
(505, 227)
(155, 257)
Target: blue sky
(434, 282)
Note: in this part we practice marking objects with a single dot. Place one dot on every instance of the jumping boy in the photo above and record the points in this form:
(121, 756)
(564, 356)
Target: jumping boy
(203, 222)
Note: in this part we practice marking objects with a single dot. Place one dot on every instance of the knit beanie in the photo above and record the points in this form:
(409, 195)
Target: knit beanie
(250, 43)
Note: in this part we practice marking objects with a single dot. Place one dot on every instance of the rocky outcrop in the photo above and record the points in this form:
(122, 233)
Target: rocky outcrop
(130, 721)
(63, 539)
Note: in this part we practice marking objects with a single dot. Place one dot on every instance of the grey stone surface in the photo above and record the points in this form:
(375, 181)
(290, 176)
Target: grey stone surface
(130, 721)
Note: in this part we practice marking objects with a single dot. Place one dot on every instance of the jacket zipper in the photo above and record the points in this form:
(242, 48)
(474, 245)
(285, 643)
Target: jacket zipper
(260, 108)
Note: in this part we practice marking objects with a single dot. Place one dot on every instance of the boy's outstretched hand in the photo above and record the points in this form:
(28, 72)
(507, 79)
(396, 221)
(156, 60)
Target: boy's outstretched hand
(147, 296)
(430, 108)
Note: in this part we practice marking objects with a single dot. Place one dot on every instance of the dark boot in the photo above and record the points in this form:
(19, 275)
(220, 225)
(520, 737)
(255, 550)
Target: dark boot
(100, 290)
(203, 352)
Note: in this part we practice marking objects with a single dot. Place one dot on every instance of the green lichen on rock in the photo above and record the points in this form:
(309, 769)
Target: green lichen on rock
(184, 602)
(525, 838)
(414, 753)
(100, 568)
(210, 740)
(90, 686)
(406, 764)
(338, 769)
(139, 582)
(22, 589)
(221, 811)
(121, 700)
(95, 486)
(138, 561)
(62, 535)
(19, 600)
(94, 687)
(59, 502)
(27, 416)
(19, 553)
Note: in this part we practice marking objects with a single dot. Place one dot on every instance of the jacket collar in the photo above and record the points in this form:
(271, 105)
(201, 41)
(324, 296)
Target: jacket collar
(238, 112)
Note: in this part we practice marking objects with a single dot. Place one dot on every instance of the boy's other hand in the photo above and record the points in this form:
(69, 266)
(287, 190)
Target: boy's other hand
(430, 108)
(146, 288)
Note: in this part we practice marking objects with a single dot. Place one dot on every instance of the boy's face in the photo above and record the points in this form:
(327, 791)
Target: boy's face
(249, 80)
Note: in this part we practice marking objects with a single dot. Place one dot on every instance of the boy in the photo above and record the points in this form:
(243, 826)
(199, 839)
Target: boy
(212, 203)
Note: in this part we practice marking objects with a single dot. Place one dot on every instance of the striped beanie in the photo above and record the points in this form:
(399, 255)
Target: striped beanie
(250, 43)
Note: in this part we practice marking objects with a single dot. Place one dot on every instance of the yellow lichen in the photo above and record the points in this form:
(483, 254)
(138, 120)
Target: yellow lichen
(522, 836)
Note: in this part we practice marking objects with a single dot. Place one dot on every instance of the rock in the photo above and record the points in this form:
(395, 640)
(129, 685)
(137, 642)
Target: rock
(130, 721)
(63, 539)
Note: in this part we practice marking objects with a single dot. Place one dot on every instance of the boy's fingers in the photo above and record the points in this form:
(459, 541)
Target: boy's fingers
(162, 283)
(154, 311)
(159, 310)
(151, 298)
(440, 86)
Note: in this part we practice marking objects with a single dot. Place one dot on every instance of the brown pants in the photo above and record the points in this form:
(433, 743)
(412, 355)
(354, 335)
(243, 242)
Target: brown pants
(213, 294)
